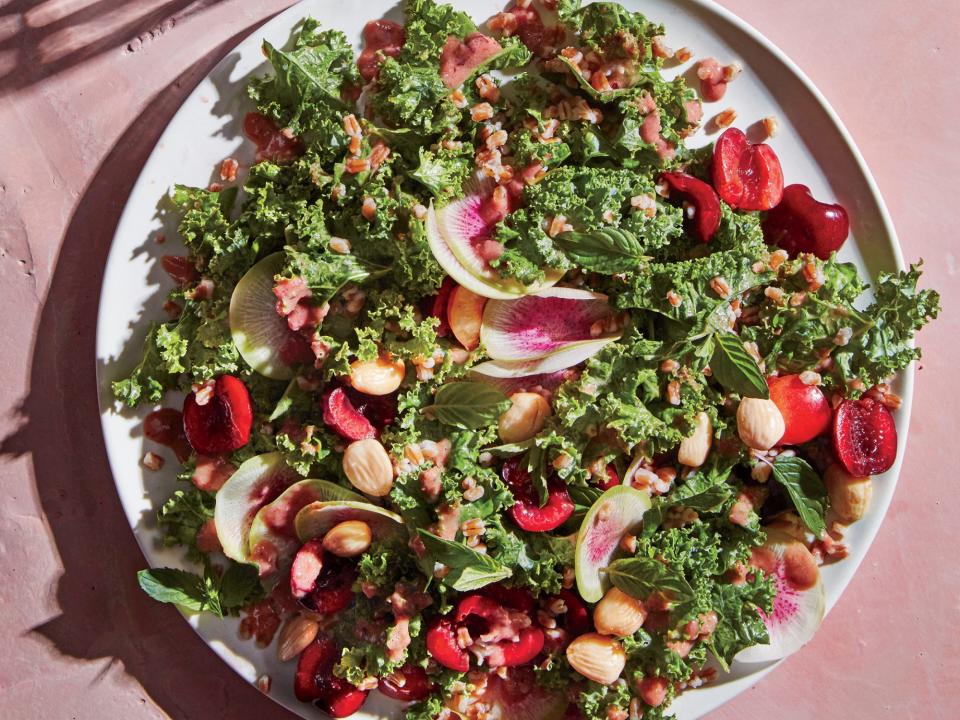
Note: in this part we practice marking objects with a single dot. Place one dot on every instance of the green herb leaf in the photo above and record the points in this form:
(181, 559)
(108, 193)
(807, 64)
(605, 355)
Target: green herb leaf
(806, 490)
(608, 250)
(468, 405)
(734, 368)
(469, 569)
(239, 586)
(640, 576)
(239, 582)
(178, 587)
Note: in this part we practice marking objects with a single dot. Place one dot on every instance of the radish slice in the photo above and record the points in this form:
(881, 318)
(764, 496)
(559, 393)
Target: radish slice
(317, 518)
(273, 534)
(800, 602)
(259, 481)
(566, 358)
(619, 510)
(258, 331)
(550, 322)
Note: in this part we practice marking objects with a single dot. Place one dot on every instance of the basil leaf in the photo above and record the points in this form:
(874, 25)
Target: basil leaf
(734, 368)
(536, 463)
(806, 490)
(609, 250)
(178, 587)
(469, 569)
(468, 405)
(640, 576)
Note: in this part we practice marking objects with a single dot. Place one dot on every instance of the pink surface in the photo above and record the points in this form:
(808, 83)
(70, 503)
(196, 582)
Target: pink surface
(86, 86)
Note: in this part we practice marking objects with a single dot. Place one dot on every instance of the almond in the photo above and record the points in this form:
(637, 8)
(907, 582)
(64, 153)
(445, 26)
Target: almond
(525, 417)
(759, 423)
(377, 377)
(348, 539)
(849, 495)
(368, 467)
(299, 632)
(597, 657)
(618, 614)
(694, 449)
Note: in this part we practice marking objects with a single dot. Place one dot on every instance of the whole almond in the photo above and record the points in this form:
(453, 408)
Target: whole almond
(597, 657)
(849, 495)
(526, 416)
(377, 377)
(759, 423)
(618, 614)
(367, 465)
(299, 632)
(348, 539)
(694, 449)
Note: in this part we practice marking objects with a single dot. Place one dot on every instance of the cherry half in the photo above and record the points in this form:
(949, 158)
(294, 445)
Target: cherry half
(805, 409)
(802, 224)
(478, 613)
(320, 581)
(223, 423)
(746, 176)
(408, 684)
(443, 647)
(703, 199)
(315, 681)
(526, 511)
(864, 437)
(343, 418)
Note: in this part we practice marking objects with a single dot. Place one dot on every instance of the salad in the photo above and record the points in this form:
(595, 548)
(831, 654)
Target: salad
(500, 399)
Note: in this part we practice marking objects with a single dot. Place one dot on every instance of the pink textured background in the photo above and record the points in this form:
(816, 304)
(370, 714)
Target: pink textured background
(86, 86)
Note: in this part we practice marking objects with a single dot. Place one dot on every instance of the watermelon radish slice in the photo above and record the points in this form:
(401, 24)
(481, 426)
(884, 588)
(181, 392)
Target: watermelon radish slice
(800, 602)
(558, 320)
(273, 534)
(258, 331)
(617, 511)
(315, 519)
(257, 482)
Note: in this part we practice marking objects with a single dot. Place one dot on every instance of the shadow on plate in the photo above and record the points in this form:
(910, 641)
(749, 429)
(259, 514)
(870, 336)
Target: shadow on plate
(104, 615)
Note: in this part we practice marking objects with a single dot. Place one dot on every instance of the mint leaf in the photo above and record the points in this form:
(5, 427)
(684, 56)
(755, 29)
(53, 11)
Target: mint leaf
(179, 587)
(608, 250)
(640, 576)
(239, 585)
(469, 569)
(468, 405)
(734, 368)
(806, 490)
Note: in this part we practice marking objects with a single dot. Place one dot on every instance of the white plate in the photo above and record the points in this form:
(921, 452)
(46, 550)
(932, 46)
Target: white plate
(813, 146)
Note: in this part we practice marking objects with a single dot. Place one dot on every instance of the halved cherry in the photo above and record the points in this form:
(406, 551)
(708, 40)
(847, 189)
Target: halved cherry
(802, 224)
(443, 647)
(181, 269)
(223, 423)
(343, 418)
(408, 684)
(746, 176)
(576, 620)
(805, 409)
(321, 582)
(315, 681)
(478, 614)
(438, 306)
(526, 511)
(515, 598)
(612, 479)
(703, 200)
(864, 437)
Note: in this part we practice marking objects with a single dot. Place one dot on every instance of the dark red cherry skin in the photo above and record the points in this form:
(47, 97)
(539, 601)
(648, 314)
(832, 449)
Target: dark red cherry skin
(223, 424)
(806, 411)
(315, 681)
(438, 307)
(576, 620)
(802, 224)
(703, 198)
(526, 511)
(320, 581)
(746, 176)
(416, 685)
(476, 612)
(443, 647)
(343, 418)
(864, 437)
(515, 598)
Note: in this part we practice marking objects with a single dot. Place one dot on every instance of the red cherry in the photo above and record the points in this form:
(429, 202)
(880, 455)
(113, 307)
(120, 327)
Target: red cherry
(523, 651)
(613, 478)
(416, 685)
(576, 620)
(321, 582)
(746, 176)
(864, 437)
(477, 613)
(703, 198)
(805, 409)
(223, 424)
(181, 269)
(515, 598)
(443, 647)
(315, 681)
(526, 511)
(343, 418)
(438, 306)
(801, 224)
